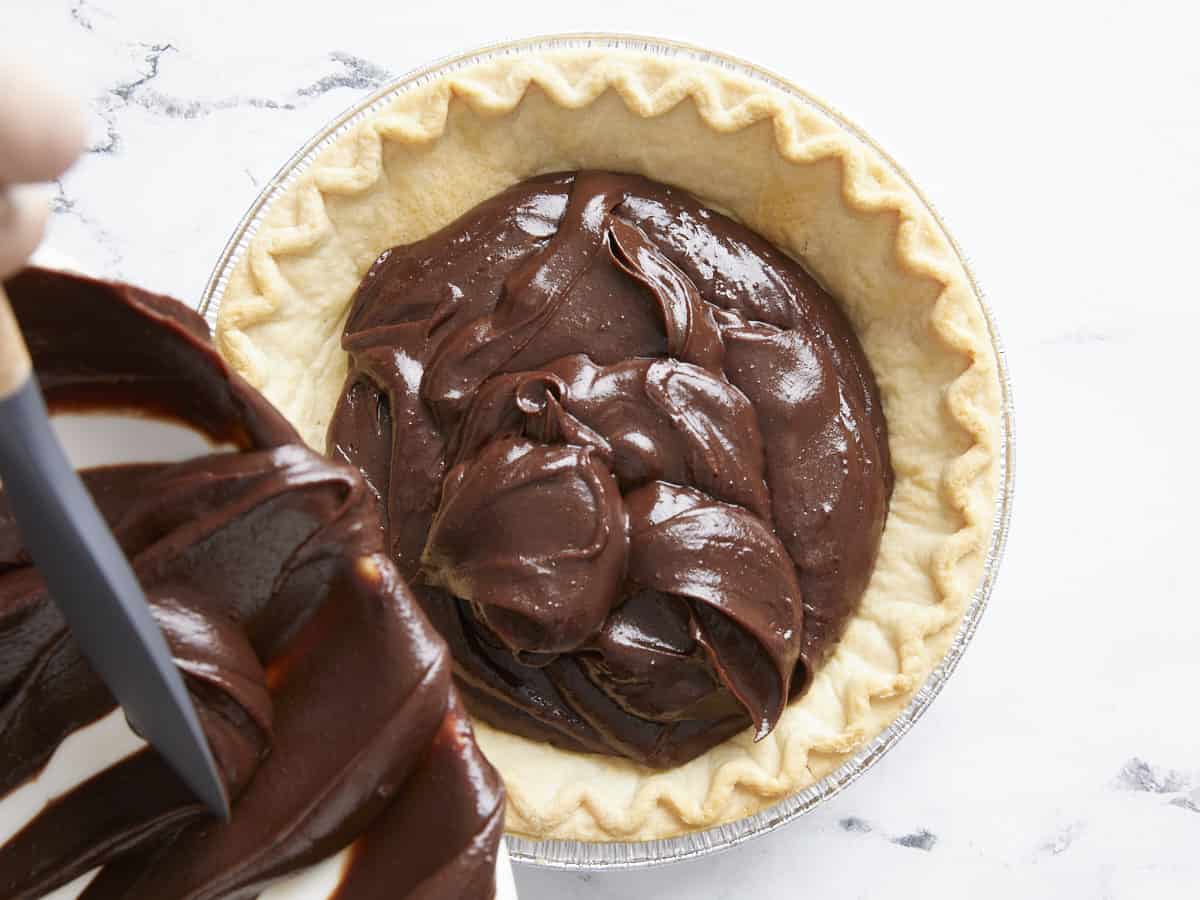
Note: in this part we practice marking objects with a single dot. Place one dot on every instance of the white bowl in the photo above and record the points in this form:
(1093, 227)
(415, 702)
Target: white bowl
(97, 439)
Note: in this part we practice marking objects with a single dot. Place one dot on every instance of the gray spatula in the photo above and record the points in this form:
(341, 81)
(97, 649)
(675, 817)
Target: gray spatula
(89, 578)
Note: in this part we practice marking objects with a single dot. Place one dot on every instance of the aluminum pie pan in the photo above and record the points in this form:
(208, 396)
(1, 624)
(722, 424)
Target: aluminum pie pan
(586, 855)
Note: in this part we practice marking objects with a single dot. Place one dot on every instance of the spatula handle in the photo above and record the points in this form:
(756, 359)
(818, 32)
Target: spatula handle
(14, 355)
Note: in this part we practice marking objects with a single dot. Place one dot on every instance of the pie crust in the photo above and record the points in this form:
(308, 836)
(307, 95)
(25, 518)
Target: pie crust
(787, 170)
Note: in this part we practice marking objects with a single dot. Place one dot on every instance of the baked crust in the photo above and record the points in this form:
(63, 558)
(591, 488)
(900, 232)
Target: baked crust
(785, 169)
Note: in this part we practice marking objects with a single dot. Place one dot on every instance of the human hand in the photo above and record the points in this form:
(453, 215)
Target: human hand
(41, 134)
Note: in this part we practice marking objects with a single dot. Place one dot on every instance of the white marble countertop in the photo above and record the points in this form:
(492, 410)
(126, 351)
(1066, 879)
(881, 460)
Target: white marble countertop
(1063, 146)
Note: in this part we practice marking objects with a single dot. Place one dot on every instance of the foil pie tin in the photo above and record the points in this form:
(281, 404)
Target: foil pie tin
(584, 855)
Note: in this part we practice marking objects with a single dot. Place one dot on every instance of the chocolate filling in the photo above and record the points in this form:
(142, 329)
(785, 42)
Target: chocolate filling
(630, 456)
(323, 690)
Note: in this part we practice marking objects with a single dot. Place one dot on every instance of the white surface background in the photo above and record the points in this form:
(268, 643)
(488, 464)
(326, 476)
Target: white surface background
(1063, 146)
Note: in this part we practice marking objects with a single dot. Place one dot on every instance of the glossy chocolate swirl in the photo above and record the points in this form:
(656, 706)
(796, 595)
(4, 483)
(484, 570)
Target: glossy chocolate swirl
(322, 688)
(630, 455)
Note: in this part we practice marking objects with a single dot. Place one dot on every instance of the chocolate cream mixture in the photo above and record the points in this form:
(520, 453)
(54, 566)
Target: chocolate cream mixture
(630, 456)
(324, 692)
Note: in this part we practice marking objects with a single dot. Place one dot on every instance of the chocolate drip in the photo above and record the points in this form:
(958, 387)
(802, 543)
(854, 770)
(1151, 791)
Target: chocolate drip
(323, 690)
(631, 455)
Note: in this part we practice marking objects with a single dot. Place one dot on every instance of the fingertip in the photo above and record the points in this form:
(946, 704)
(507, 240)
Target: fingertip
(42, 128)
(22, 224)
(63, 143)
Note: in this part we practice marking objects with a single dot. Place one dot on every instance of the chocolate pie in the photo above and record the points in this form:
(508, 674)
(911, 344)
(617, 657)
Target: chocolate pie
(680, 413)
